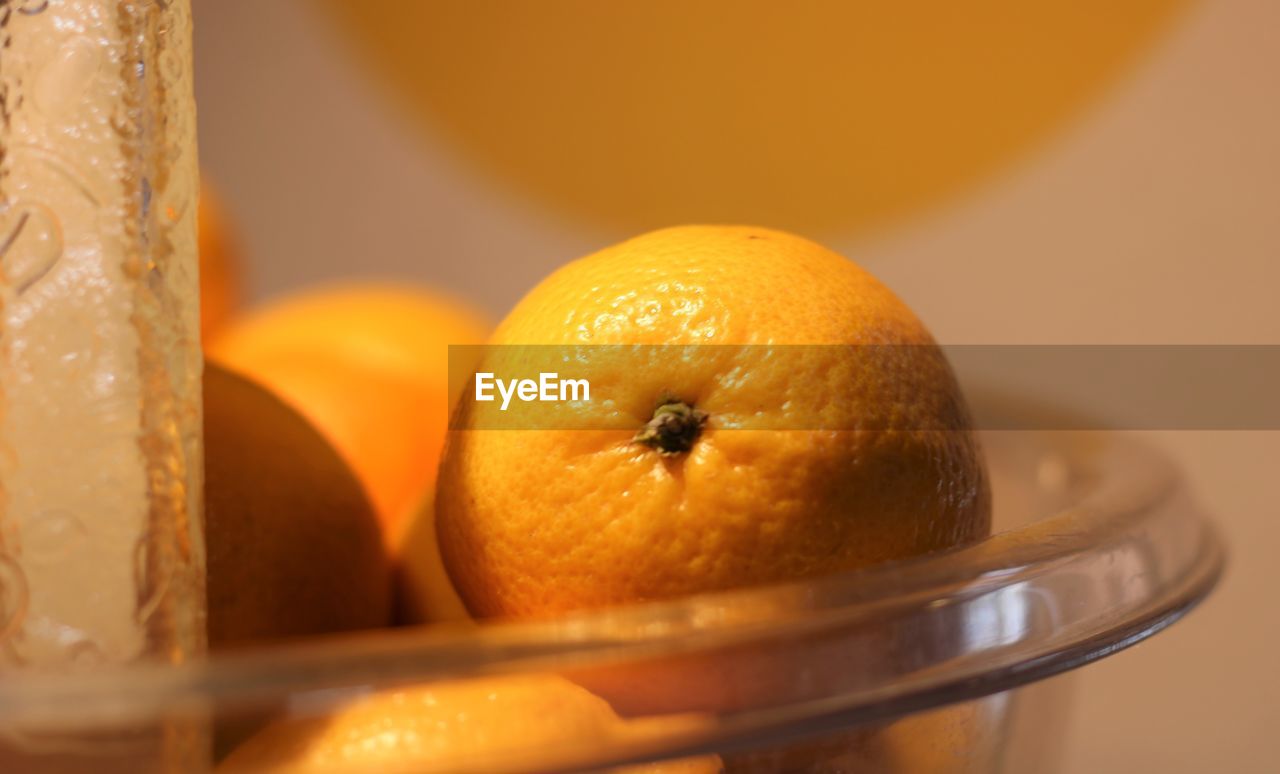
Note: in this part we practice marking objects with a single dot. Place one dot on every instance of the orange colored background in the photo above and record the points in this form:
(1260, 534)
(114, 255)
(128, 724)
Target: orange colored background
(1056, 172)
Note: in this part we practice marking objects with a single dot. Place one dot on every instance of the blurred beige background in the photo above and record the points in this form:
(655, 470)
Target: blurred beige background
(1146, 213)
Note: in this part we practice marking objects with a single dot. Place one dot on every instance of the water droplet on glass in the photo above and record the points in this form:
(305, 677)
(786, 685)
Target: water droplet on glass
(30, 243)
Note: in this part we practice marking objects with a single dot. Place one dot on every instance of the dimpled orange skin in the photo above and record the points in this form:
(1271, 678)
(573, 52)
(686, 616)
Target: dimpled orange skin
(539, 522)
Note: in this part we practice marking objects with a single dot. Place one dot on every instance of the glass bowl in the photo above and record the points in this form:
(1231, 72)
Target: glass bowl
(936, 664)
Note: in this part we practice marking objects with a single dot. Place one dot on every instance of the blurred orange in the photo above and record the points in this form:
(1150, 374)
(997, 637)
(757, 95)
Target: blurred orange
(492, 720)
(369, 366)
(294, 546)
(833, 116)
(221, 283)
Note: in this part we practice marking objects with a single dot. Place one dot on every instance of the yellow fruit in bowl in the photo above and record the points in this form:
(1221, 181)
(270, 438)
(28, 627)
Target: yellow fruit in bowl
(869, 457)
(369, 366)
(294, 547)
(443, 726)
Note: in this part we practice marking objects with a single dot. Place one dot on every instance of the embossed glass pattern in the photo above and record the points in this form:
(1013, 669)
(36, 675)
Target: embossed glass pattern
(101, 546)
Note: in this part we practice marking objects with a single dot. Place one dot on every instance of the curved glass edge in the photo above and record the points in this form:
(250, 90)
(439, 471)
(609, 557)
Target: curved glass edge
(1131, 555)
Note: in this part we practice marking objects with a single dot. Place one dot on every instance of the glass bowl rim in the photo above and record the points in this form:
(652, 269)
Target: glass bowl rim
(1138, 490)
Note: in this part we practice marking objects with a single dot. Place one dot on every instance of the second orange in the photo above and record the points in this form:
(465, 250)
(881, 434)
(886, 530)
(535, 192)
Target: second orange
(367, 365)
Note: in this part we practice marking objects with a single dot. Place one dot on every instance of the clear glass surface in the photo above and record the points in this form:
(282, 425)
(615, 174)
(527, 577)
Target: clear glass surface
(934, 664)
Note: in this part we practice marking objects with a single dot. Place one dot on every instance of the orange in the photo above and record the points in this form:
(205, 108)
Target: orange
(294, 547)
(424, 592)
(368, 366)
(221, 284)
(541, 521)
(442, 727)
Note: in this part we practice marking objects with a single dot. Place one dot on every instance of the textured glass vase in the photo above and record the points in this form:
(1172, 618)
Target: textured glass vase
(101, 541)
